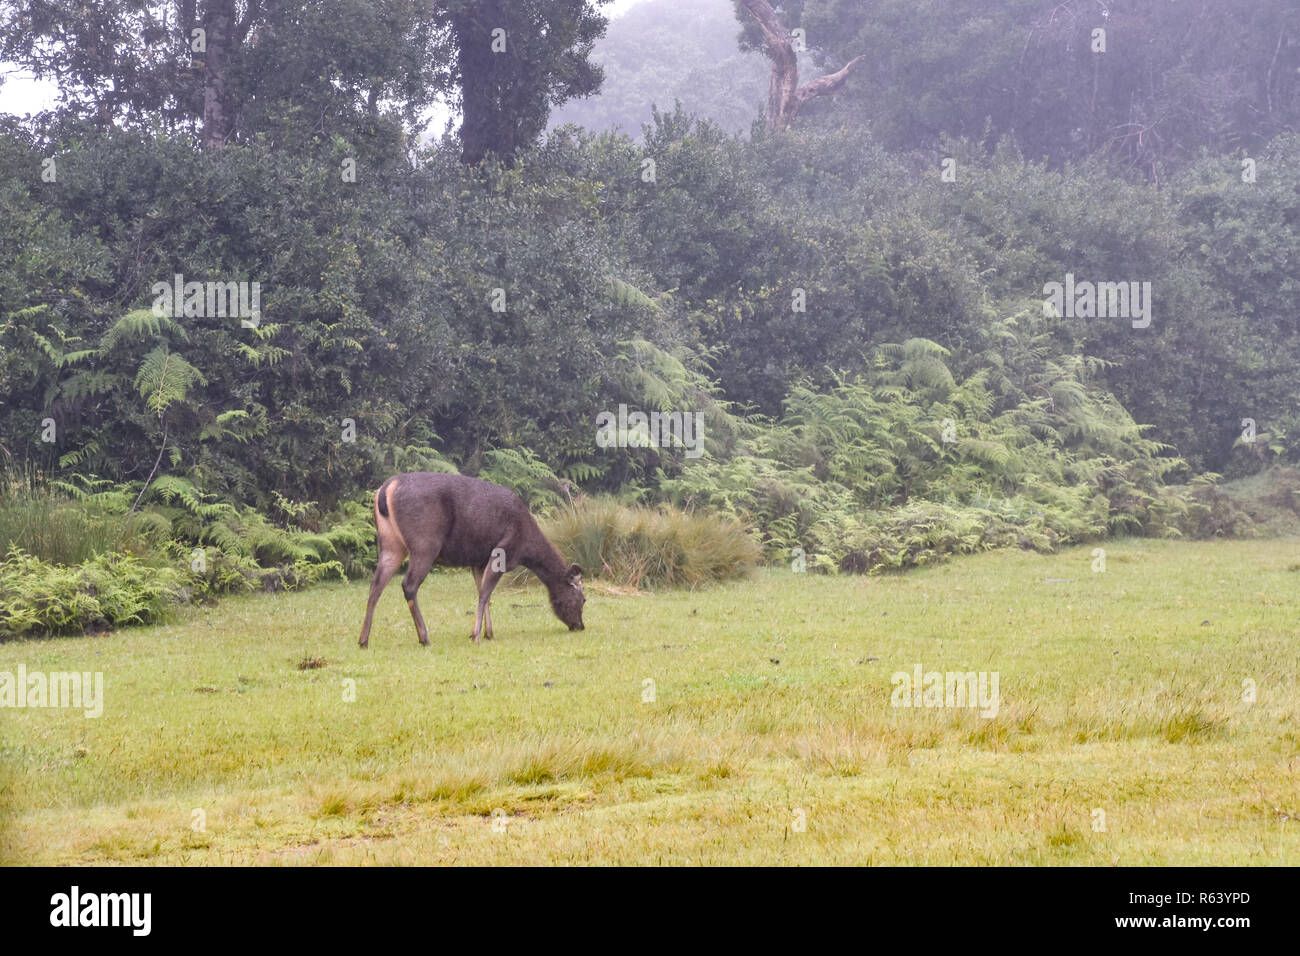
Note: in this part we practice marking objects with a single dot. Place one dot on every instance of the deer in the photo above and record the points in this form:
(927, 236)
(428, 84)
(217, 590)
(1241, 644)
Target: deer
(464, 522)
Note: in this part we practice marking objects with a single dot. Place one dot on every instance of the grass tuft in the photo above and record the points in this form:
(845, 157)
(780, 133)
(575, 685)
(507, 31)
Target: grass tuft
(651, 547)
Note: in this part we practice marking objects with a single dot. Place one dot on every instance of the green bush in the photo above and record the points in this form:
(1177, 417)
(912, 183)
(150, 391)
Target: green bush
(241, 550)
(109, 590)
(651, 547)
(1030, 451)
(80, 561)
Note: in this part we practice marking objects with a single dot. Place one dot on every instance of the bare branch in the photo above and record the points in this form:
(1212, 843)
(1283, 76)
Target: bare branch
(785, 95)
(828, 83)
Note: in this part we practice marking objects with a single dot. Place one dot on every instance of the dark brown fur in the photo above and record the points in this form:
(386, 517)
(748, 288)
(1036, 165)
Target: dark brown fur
(460, 521)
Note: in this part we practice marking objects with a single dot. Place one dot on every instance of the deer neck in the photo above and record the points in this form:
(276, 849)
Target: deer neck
(545, 561)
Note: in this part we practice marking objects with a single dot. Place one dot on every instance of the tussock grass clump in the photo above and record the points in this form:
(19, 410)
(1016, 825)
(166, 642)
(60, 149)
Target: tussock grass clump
(651, 547)
(1172, 717)
(54, 527)
(553, 761)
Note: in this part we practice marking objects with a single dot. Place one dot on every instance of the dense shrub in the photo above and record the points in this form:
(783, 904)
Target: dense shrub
(109, 590)
(81, 558)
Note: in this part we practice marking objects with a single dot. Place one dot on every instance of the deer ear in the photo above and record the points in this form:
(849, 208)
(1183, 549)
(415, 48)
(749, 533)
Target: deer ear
(575, 572)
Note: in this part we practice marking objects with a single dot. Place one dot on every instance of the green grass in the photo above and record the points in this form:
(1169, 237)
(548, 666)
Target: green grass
(1121, 692)
(56, 528)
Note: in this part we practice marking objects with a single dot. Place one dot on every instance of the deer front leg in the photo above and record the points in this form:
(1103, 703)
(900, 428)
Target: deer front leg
(487, 580)
(478, 589)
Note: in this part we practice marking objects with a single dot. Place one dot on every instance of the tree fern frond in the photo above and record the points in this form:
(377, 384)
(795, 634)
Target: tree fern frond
(164, 379)
(140, 325)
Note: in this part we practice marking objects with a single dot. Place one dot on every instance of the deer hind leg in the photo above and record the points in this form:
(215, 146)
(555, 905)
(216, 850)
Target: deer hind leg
(486, 580)
(391, 555)
(416, 571)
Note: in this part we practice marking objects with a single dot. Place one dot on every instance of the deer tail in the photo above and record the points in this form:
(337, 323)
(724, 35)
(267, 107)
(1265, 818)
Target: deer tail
(381, 499)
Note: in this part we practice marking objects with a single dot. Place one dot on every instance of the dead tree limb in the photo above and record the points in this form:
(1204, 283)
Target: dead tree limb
(784, 94)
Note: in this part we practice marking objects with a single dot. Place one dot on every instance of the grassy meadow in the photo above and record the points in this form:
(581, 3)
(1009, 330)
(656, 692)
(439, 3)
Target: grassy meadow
(1122, 736)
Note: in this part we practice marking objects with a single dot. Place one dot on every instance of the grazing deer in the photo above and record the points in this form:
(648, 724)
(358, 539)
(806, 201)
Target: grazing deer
(465, 523)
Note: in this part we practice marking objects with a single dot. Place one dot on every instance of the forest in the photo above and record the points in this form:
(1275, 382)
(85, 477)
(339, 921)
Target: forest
(882, 417)
(934, 277)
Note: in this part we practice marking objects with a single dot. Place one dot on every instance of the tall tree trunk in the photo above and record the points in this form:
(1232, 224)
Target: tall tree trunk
(219, 30)
(784, 94)
(485, 126)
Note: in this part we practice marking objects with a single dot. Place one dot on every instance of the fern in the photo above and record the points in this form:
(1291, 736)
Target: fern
(165, 379)
(87, 452)
(261, 355)
(174, 489)
(583, 471)
(625, 294)
(240, 425)
(140, 325)
(525, 474)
